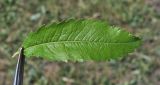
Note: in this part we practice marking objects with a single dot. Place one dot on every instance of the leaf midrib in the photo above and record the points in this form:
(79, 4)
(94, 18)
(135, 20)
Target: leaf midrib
(83, 42)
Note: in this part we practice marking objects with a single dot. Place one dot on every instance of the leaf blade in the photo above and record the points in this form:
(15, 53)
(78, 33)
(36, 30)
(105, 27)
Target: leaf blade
(80, 40)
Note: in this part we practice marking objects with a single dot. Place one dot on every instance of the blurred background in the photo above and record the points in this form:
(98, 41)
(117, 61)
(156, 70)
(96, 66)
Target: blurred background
(140, 17)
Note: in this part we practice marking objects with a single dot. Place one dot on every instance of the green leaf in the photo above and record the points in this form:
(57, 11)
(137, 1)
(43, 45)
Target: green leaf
(79, 40)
